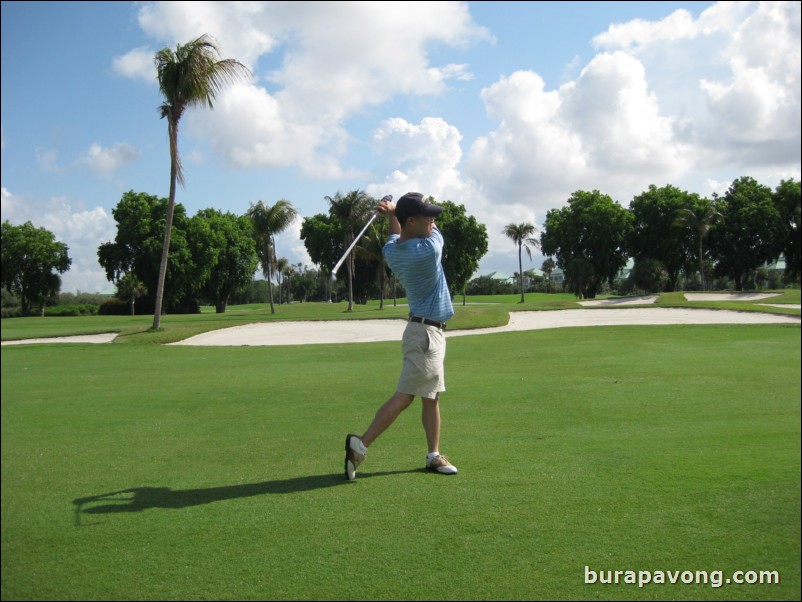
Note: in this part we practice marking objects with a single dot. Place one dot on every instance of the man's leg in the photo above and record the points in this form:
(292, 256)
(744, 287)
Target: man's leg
(357, 447)
(430, 416)
(386, 416)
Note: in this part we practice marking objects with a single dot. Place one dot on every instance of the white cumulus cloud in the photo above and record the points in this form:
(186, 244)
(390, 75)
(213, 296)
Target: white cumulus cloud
(137, 64)
(107, 160)
(311, 77)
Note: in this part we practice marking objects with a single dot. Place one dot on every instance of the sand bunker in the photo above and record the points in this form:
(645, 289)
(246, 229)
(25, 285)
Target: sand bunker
(361, 331)
(729, 296)
(107, 337)
(621, 301)
(368, 331)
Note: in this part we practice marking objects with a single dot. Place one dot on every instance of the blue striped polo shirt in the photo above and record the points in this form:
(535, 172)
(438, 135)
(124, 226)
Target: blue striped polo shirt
(417, 264)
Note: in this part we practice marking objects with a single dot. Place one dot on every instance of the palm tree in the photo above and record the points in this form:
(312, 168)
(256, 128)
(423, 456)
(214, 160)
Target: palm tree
(523, 236)
(129, 288)
(189, 76)
(267, 222)
(372, 248)
(700, 218)
(351, 211)
(548, 267)
(289, 271)
(281, 271)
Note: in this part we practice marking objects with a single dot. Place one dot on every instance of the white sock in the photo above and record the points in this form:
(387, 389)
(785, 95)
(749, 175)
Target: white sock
(432, 455)
(361, 446)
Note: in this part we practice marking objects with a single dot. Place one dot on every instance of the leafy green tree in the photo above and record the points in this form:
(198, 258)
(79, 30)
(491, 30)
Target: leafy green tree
(137, 247)
(752, 232)
(190, 76)
(655, 237)
(234, 260)
(10, 300)
(787, 200)
(650, 275)
(321, 235)
(267, 222)
(485, 285)
(466, 244)
(306, 283)
(129, 289)
(254, 291)
(352, 210)
(588, 238)
(699, 216)
(30, 259)
(523, 235)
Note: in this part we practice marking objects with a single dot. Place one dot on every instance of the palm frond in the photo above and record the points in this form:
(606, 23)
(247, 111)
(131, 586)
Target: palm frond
(191, 75)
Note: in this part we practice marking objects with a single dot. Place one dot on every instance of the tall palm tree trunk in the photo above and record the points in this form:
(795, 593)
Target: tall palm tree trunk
(351, 282)
(268, 252)
(521, 271)
(168, 228)
(702, 276)
(350, 265)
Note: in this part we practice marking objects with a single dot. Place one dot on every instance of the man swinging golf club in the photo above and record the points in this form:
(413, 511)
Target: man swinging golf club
(414, 252)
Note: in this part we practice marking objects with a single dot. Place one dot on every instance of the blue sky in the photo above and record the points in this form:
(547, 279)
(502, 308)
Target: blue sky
(504, 107)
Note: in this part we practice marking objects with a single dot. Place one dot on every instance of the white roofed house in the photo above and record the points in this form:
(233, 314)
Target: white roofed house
(503, 277)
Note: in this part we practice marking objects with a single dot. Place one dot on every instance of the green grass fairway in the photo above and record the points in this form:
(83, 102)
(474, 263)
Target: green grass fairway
(135, 472)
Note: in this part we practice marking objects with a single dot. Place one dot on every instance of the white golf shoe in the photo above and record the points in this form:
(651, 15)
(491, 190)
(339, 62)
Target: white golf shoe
(353, 457)
(440, 464)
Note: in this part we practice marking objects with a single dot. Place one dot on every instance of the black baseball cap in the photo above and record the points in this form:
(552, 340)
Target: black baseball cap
(412, 205)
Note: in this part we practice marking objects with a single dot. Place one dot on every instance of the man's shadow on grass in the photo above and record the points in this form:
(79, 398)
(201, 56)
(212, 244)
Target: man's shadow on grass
(138, 499)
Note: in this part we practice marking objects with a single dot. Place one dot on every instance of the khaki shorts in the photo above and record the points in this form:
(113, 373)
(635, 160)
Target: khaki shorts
(424, 349)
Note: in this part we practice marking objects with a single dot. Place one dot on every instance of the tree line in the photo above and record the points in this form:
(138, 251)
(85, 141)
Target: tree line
(668, 232)
(214, 255)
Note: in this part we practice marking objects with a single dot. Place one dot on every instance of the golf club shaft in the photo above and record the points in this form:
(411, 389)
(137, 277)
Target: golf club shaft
(333, 274)
(353, 244)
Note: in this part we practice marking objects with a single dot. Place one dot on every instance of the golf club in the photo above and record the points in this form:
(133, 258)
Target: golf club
(333, 274)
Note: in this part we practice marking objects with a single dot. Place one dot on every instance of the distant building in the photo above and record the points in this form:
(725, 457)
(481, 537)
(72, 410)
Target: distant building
(777, 266)
(502, 277)
(624, 272)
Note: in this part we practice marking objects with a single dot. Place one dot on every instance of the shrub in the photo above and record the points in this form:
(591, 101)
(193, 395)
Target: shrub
(650, 275)
(79, 298)
(75, 309)
(114, 307)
